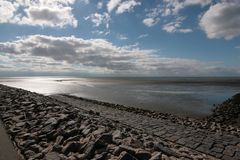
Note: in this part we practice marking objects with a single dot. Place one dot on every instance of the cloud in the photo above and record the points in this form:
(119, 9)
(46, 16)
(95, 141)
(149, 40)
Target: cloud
(112, 4)
(131, 46)
(55, 13)
(43, 16)
(169, 9)
(175, 26)
(149, 22)
(100, 19)
(197, 2)
(122, 37)
(238, 47)
(142, 36)
(152, 16)
(222, 20)
(122, 7)
(59, 3)
(99, 5)
(174, 6)
(4, 67)
(185, 30)
(127, 6)
(103, 33)
(7, 11)
(154, 12)
(93, 52)
(48, 53)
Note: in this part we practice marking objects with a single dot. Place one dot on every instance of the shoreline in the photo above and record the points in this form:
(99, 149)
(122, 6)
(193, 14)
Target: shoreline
(43, 127)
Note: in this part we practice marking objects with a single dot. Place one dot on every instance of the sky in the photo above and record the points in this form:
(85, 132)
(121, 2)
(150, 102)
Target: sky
(120, 37)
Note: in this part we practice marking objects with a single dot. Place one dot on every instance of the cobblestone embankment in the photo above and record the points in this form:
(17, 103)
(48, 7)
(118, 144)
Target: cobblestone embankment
(63, 127)
(221, 145)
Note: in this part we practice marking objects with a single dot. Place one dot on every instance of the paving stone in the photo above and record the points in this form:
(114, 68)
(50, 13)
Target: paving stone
(233, 142)
(192, 144)
(237, 155)
(217, 155)
(182, 141)
(208, 143)
(173, 138)
(204, 148)
(226, 157)
(229, 151)
(217, 149)
(219, 145)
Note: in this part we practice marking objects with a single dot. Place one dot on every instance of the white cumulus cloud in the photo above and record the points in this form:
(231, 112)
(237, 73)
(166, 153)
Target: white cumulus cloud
(150, 22)
(112, 4)
(7, 11)
(44, 16)
(127, 6)
(45, 13)
(222, 20)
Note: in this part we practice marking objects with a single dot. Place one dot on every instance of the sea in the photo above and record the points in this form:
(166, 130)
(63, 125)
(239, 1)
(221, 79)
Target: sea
(183, 96)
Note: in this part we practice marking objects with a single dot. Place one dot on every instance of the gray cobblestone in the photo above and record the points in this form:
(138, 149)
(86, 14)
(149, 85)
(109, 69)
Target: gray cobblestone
(215, 154)
(225, 157)
(237, 155)
(204, 148)
(217, 149)
(229, 150)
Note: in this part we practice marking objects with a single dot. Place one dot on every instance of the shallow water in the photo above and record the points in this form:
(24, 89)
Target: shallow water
(181, 96)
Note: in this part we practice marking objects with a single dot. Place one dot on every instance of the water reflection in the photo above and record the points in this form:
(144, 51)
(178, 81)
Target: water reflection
(191, 99)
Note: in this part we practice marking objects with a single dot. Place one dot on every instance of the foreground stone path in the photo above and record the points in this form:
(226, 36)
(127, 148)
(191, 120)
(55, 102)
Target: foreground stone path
(7, 151)
(222, 146)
